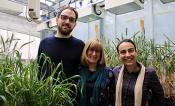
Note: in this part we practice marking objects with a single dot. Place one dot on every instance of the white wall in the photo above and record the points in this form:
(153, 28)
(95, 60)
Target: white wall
(158, 19)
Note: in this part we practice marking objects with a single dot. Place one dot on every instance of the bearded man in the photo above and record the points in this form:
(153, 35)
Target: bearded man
(61, 47)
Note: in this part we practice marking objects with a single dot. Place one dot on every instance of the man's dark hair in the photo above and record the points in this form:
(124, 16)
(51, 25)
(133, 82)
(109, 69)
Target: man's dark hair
(125, 40)
(70, 8)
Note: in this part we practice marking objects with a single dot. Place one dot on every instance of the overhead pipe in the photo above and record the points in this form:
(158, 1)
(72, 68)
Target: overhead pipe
(97, 12)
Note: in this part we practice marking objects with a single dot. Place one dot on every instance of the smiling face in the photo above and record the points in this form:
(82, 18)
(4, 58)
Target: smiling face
(127, 53)
(93, 53)
(66, 22)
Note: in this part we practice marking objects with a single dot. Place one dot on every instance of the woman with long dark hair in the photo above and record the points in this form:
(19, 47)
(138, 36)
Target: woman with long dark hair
(136, 85)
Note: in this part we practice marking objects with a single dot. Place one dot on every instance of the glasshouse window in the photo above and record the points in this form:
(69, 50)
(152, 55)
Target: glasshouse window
(27, 45)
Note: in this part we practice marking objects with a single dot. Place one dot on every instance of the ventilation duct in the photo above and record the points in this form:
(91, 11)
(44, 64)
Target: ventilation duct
(166, 1)
(123, 6)
(90, 13)
(11, 7)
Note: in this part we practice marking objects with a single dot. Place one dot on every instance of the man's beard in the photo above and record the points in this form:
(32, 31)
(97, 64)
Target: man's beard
(64, 32)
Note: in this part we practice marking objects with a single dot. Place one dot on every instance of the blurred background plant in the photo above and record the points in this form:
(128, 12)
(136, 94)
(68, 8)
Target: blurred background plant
(6, 46)
(110, 53)
(9, 45)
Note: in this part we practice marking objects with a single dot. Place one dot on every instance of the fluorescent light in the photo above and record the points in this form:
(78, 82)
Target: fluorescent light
(49, 3)
(52, 0)
(43, 1)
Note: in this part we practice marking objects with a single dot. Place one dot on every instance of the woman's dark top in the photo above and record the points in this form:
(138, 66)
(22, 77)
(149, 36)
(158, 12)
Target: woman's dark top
(97, 88)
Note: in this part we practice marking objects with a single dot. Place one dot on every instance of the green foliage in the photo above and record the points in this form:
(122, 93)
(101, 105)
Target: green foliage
(110, 53)
(9, 46)
(20, 85)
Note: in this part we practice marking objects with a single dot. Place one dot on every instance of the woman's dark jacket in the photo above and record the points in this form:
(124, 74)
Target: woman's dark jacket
(152, 91)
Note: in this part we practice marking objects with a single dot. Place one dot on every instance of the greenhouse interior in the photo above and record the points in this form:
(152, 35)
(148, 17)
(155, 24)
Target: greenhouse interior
(25, 23)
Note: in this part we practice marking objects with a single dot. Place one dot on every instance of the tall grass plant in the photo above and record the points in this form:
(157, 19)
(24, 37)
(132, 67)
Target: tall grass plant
(20, 85)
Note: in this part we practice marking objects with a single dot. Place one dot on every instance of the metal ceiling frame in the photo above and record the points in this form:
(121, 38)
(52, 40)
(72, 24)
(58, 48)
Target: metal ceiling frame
(43, 5)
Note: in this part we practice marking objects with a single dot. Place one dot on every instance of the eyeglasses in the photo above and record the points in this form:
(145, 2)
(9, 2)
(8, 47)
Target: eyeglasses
(65, 17)
(94, 50)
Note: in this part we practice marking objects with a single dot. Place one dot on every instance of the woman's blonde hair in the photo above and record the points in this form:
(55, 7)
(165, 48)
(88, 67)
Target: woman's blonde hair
(93, 42)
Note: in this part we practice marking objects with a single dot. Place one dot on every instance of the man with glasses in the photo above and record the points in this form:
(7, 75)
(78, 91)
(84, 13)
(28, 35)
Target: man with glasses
(61, 47)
